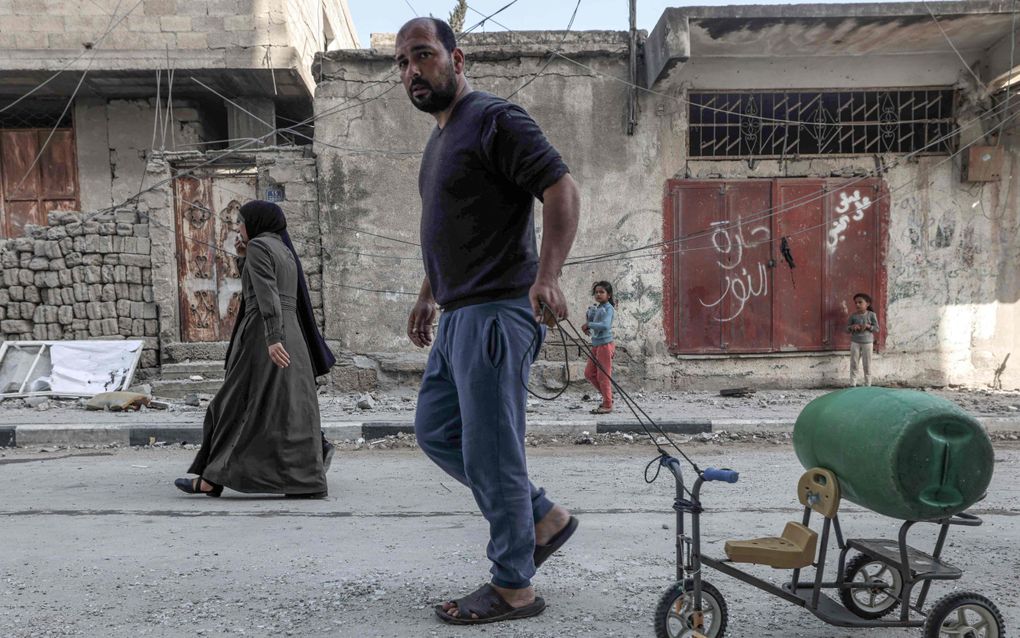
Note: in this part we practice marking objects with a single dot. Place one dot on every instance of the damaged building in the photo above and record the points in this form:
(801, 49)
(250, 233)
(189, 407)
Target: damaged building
(130, 133)
(773, 162)
(744, 172)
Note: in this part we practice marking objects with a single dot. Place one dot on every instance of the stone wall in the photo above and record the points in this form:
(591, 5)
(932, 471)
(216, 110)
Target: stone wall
(85, 276)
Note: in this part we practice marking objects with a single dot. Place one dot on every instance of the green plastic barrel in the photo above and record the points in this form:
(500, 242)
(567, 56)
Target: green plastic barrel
(901, 453)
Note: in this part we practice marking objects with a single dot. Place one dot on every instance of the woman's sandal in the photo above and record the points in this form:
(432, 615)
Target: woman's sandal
(194, 486)
(322, 494)
(487, 606)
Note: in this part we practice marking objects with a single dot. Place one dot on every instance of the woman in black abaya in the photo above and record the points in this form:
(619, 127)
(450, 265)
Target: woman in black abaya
(261, 431)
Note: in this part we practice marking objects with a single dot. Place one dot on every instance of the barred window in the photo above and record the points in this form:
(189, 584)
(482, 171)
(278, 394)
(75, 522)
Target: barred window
(42, 113)
(776, 124)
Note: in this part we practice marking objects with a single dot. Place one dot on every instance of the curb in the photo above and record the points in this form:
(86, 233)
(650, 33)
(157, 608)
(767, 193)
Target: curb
(129, 435)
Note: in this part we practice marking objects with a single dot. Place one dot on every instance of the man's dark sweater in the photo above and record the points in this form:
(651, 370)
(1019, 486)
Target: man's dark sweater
(478, 180)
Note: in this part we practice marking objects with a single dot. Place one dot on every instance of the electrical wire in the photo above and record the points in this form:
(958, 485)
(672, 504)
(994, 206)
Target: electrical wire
(886, 195)
(488, 17)
(639, 414)
(682, 100)
(775, 210)
(298, 133)
(980, 82)
(234, 151)
(102, 37)
(549, 61)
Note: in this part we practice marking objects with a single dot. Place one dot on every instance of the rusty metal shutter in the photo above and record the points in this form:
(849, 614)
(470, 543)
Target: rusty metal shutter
(728, 288)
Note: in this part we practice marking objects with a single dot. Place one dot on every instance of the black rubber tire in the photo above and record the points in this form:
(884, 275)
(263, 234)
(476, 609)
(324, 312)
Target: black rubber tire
(846, 595)
(947, 605)
(717, 629)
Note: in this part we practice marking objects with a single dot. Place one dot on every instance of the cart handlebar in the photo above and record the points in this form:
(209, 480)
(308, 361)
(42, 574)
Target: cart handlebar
(963, 518)
(720, 474)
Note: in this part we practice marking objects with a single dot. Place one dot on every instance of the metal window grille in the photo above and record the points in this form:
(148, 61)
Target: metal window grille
(35, 114)
(769, 124)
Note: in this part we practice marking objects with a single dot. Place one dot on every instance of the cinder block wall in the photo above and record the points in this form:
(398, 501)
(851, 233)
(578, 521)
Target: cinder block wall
(198, 33)
(85, 276)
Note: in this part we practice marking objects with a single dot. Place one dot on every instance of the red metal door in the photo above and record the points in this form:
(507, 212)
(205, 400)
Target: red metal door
(693, 278)
(742, 248)
(718, 274)
(728, 287)
(797, 309)
(853, 249)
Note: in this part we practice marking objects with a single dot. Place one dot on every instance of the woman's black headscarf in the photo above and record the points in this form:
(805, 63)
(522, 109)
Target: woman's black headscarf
(266, 217)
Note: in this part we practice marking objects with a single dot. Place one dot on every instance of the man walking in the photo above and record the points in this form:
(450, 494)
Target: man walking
(483, 166)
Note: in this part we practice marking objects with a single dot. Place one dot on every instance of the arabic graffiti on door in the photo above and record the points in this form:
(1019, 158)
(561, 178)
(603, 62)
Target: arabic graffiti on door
(741, 281)
(838, 231)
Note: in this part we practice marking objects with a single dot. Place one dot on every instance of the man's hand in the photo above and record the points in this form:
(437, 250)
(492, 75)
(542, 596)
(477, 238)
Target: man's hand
(560, 211)
(548, 292)
(419, 323)
(279, 355)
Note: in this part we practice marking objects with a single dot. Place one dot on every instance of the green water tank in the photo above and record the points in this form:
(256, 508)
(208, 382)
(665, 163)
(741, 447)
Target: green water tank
(901, 453)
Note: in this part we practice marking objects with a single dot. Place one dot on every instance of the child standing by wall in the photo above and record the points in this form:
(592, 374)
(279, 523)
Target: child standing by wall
(600, 326)
(862, 327)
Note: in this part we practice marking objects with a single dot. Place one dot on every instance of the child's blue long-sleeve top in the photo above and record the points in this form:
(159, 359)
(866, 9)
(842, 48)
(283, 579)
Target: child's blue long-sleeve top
(600, 321)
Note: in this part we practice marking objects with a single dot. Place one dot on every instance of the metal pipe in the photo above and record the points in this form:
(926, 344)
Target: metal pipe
(632, 91)
(679, 530)
(820, 565)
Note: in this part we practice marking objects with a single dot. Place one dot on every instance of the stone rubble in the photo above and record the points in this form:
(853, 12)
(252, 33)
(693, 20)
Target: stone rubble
(84, 276)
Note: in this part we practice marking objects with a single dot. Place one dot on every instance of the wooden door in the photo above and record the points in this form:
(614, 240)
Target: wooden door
(33, 183)
(207, 207)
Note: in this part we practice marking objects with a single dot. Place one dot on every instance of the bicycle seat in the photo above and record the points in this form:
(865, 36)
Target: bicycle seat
(817, 489)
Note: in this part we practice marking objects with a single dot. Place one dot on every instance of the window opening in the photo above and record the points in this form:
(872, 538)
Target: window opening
(769, 124)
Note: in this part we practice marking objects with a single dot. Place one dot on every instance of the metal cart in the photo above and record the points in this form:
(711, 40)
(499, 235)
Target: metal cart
(880, 576)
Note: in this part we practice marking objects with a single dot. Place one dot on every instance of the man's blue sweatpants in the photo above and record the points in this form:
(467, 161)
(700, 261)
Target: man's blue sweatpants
(470, 422)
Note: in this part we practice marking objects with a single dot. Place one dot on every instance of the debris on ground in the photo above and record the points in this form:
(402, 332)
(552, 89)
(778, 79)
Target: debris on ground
(739, 393)
(366, 402)
(117, 401)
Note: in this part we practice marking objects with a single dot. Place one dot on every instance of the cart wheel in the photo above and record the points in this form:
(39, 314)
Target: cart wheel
(674, 617)
(964, 615)
(873, 602)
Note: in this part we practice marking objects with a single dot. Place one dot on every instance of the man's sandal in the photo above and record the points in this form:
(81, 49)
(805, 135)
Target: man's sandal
(485, 605)
(543, 552)
(194, 486)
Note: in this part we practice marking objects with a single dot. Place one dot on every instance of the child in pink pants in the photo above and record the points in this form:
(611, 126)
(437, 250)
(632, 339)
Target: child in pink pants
(600, 326)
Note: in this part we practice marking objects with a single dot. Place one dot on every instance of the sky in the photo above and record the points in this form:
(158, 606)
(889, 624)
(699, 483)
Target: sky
(386, 16)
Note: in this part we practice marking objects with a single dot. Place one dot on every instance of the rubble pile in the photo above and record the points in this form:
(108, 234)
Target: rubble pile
(83, 276)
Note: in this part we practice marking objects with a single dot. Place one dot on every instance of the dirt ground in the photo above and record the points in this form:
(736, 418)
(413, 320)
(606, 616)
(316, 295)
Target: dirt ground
(572, 405)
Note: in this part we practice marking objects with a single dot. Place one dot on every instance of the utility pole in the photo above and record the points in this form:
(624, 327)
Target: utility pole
(632, 98)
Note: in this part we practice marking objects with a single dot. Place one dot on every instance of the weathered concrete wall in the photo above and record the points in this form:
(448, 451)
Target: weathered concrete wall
(952, 303)
(114, 139)
(84, 276)
(200, 33)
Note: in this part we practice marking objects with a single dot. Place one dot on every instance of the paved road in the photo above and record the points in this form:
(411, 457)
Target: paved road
(103, 545)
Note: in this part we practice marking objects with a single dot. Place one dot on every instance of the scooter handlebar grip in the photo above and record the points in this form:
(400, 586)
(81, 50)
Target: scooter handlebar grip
(713, 474)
